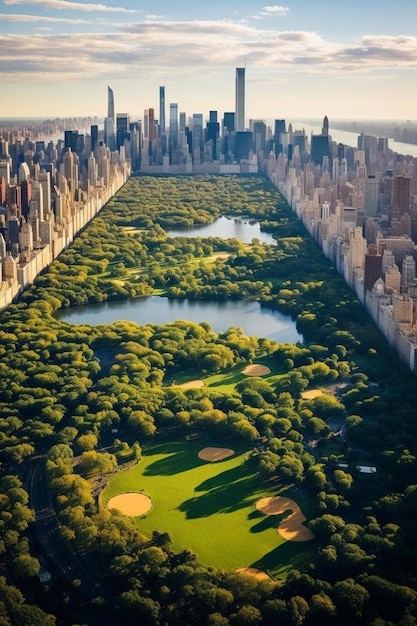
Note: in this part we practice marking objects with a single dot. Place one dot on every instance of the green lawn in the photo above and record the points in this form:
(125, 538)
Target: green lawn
(209, 508)
(226, 381)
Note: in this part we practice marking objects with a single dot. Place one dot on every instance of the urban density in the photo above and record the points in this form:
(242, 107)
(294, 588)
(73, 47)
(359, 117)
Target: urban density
(358, 202)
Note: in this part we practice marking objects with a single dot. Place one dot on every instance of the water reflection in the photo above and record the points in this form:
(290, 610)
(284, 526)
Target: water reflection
(243, 229)
(253, 318)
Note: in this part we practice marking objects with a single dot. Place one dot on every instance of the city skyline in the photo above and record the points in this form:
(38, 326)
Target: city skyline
(352, 61)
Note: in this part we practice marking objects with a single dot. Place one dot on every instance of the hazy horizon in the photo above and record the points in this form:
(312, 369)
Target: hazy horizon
(345, 61)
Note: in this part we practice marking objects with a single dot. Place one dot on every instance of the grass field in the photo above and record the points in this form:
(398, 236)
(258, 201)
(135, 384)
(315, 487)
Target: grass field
(226, 381)
(209, 508)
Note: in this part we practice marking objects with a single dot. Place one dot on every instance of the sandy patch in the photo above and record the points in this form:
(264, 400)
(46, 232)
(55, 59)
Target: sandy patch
(292, 527)
(256, 370)
(253, 571)
(312, 393)
(215, 454)
(131, 504)
(192, 384)
(220, 255)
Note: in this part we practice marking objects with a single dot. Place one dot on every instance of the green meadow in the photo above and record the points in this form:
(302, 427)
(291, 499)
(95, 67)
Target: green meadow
(209, 508)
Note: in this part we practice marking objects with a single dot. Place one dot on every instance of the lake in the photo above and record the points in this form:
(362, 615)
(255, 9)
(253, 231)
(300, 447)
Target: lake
(251, 317)
(227, 228)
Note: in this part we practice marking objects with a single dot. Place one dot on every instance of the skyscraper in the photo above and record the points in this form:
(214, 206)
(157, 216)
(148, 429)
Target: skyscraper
(212, 133)
(173, 123)
(240, 99)
(401, 195)
(229, 121)
(151, 122)
(110, 122)
(162, 129)
(372, 269)
(110, 103)
(197, 137)
(162, 110)
(122, 129)
(94, 135)
(371, 196)
(279, 130)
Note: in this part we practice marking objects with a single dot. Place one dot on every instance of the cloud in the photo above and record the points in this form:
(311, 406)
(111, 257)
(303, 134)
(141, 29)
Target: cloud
(65, 5)
(271, 11)
(153, 48)
(275, 10)
(13, 17)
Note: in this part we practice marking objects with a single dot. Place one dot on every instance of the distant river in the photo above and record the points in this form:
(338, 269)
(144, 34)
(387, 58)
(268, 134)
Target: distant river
(351, 139)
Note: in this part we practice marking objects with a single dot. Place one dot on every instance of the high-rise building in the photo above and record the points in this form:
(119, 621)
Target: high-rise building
(45, 180)
(259, 136)
(371, 196)
(401, 195)
(212, 134)
(94, 135)
(70, 139)
(240, 99)
(173, 123)
(325, 127)
(320, 148)
(5, 171)
(373, 268)
(151, 122)
(26, 196)
(110, 103)
(408, 270)
(279, 129)
(146, 123)
(162, 124)
(197, 136)
(243, 145)
(110, 121)
(162, 110)
(229, 121)
(122, 129)
(403, 309)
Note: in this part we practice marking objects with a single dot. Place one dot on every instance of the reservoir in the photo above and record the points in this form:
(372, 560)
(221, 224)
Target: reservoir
(251, 317)
(227, 228)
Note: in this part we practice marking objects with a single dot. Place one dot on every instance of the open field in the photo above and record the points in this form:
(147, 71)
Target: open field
(210, 508)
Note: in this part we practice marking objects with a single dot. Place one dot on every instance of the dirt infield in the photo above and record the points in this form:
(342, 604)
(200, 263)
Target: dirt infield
(312, 393)
(253, 571)
(131, 504)
(192, 384)
(292, 527)
(256, 370)
(215, 454)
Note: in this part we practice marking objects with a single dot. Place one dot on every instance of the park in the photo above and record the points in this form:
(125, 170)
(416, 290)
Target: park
(135, 405)
(206, 497)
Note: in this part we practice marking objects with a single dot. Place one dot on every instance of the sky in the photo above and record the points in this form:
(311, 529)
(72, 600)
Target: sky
(304, 59)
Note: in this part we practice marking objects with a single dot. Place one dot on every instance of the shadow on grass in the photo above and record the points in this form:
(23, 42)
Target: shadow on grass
(256, 514)
(289, 555)
(229, 476)
(231, 378)
(270, 521)
(180, 461)
(225, 498)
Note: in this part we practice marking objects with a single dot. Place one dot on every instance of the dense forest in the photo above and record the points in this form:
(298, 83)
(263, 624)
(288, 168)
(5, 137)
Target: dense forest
(80, 403)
